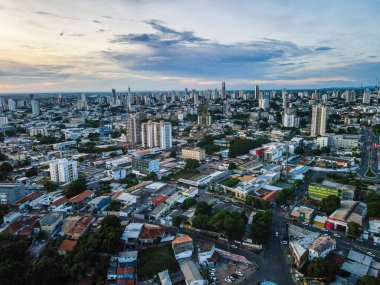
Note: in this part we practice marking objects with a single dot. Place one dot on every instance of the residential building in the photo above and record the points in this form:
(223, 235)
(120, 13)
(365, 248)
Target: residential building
(145, 165)
(35, 107)
(349, 211)
(165, 135)
(321, 247)
(182, 247)
(154, 134)
(191, 273)
(318, 120)
(194, 153)
(51, 221)
(131, 130)
(11, 192)
(63, 170)
(3, 120)
(11, 105)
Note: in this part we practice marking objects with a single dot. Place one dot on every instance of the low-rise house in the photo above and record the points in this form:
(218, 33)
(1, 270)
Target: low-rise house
(66, 246)
(205, 253)
(50, 222)
(191, 273)
(132, 232)
(151, 234)
(321, 247)
(182, 247)
(349, 211)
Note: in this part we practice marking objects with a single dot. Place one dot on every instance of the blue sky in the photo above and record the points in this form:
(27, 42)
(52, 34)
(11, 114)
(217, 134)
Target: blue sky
(163, 45)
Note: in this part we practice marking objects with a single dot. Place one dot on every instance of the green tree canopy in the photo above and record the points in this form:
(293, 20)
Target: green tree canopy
(75, 187)
(321, 268)
(191, 164)
(354, 229)
(330, 203)
(367, 280)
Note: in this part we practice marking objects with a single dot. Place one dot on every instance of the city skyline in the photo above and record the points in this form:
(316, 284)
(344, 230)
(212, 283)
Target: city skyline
(162, 45)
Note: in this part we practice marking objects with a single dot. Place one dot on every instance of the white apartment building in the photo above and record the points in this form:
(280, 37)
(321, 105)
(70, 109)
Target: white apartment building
(318, 120)
(154, 134)
(3, 121)
(63, 170)
(131, 130)
(35, 107)
(289, 119)
(264, 103)
(11, 105)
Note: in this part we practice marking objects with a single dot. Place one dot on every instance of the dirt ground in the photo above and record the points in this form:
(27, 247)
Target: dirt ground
(223, 269)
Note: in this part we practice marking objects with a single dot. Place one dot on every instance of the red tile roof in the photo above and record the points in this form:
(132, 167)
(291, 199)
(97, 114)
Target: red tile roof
(128, 270)
(125, 281)
(60, 201)
(151, 232)
(67, 245)
(271, 196)
(158, 200)
(182, 239)
(82, 196)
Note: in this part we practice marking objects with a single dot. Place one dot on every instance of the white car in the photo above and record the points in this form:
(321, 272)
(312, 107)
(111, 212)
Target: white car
(336, 235)
(284, 242)
(305, 224)
(228, 280)
(370, 254)
(276, 234)
(233, 246)
(239, 273)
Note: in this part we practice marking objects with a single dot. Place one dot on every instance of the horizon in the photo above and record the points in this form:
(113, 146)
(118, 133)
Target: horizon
(87, 45)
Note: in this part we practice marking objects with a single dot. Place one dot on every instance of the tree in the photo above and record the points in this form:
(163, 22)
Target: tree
(325, 149)
(330, 203)
(31, 172)
(151, 176)
(93, 136)
(243, 146)
(203, 208)
(188, 203)
(116, 134)
(232, 166)
(367, 280)
(191, 164)
(50, 186)
(3, 156)
(4, 209)
(75, 187)
(261, 224)
(177, 220)
(173, 154)
(5, 169)
(114, 205)
(319, 179)
(353, 230)
(321, 268)
(373, 204)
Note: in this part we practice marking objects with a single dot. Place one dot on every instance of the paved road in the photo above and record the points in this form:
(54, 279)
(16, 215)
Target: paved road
(369, 153)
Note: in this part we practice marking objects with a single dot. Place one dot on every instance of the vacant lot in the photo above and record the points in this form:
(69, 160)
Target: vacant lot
(153, 260)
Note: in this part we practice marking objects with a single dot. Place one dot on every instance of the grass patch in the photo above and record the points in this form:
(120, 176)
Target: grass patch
(153, 260)
(370, 173)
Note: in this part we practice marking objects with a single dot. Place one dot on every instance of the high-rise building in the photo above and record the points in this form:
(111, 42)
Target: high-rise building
(3, 120)
(264, 103)
(223, 95)
(131, 130)
(257, 92)
(289, 119)
(11, 105)
(35, 107)
(318, 120)
(154, 134)
(366, 96)
(63, 170)
(349, 96)
(165, 135)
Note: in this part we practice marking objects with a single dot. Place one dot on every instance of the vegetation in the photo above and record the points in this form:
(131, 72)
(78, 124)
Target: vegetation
(4, 209)
(370, 173)
(353, 230)
(321, 268)
(188, 203)
(5, 169)
(330, 203)
(31, 172)
(367, 280)
(3, 156)
(243, 146)
(191, 164)
(231, 182)
(284, 195)
(373, 204)
(76, 187)
(260, 228)
(50, 186)
(257, 203)
(232, 166)
(114, 205)
(177, 221)
(156, 259)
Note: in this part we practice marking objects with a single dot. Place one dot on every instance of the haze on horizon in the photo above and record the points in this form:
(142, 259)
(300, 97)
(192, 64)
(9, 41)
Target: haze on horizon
(162, 45)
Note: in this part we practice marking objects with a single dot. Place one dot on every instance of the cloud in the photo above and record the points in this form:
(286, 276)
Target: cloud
(77, 35)
(44, 13)
(61, 33)
(96, 21)
(182, 52)
(323, 48)
(20, 70)
(107, 17)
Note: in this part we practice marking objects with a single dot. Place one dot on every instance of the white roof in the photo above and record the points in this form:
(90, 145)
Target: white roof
(132, 230)
(155, 185)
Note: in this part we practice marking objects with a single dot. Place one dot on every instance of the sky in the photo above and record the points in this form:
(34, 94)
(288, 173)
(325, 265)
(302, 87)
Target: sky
(96, 45)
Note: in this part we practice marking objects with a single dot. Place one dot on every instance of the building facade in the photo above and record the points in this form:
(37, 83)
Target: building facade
(63, 170)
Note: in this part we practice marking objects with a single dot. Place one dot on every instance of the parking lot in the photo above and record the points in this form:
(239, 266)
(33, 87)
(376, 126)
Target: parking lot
(225, 269)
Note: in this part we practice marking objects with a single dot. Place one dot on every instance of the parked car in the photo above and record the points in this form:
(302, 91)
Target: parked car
(284, 242)
(336, 235)
(234, 246)
(370, 254)
(228, 280)
(239, 273)
(276, 234)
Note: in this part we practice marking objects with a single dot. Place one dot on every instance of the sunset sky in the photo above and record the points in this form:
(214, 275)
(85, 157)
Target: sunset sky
(163, 45)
